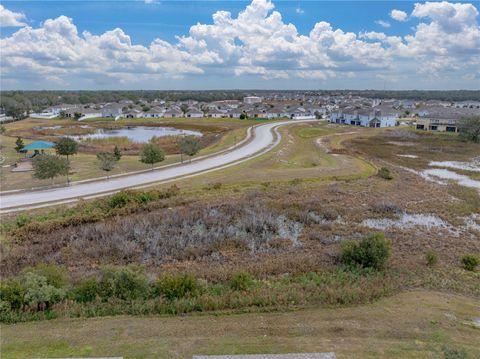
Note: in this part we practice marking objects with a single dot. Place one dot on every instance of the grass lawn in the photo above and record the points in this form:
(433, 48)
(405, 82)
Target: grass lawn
(85, 165)
(416, 324)
(298, 156)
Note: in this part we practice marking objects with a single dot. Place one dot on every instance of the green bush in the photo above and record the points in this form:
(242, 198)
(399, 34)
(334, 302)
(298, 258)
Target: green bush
(241, 281)
(432, 258)
(123, 283)
(40, 294)
(86, 291)
(119, 199)
(372, 251)
(22, 219)
(12, 292)
(385, 173)
(145, 197)
(55, 275)
(176, 286)
(470, 262)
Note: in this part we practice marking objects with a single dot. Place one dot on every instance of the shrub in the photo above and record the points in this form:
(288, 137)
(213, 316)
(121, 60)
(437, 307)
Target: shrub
(86, 290)
(176, 286)
(12, 292)
(241, 281)
(385, 173)
(432, 258)
(372, 251)
(55, 275)
(386, 208)
(38, 293)
(454, 353)
(145, 197)
(470, 262)
(119, 199)
(22, 219)
(125, 283)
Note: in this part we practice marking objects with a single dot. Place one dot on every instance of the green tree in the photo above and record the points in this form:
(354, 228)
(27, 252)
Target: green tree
(66, 146)
(151, 154)
(39, 293)
(469, 129)
(19, 144)
(2, 129)
(107, 161)
(117, 153)
(184, 108)
(190, 146)
(48, 166)
(77, 115)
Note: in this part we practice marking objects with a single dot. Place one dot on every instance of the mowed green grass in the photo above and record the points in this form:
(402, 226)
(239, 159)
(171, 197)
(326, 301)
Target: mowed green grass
(414, 324)
(86, 166)
(296, 157)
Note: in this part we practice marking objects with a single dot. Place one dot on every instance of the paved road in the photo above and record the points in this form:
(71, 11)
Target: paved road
(263, 141)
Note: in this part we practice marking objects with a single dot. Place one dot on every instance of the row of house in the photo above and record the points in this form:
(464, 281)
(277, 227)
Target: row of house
(190, 109)
(373, 118)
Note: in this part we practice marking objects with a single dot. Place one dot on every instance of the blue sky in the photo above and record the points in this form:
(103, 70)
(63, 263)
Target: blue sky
(363, 46)
(166, 19)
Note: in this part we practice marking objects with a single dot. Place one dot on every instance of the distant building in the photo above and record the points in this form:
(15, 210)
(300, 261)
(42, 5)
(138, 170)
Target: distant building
(252, 99)
(194, 113)
(435, 124)
(112, 110)
(364, 119)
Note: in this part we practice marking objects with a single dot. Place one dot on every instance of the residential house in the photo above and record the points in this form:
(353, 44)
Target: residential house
(194, 113)
(215, 113)
(173, 112)
(112, 110)
(437, 124)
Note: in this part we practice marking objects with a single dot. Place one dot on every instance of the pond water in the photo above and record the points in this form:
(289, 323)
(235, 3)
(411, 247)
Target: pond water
(442, 176)
(140, 134)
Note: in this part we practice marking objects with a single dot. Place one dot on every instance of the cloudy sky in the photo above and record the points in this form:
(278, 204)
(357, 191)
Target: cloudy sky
(260, 44)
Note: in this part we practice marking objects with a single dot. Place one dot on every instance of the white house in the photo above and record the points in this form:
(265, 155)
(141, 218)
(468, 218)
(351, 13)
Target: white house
(112, 110)
(364, 119)
(173, 112)
(215, 113)
(194, 113)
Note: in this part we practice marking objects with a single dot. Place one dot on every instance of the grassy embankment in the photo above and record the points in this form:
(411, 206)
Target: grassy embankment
(414, 324)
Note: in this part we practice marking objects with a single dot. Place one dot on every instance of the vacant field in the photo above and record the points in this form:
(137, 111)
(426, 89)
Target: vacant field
(280, 216)
(218, 134)
(414, 324)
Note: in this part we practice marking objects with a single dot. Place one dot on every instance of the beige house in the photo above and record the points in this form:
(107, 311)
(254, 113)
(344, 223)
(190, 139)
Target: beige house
(436, 124)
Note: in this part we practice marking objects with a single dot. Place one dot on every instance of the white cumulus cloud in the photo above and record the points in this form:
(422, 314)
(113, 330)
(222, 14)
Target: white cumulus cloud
(255, 43)
(398, 15)
(10, 18)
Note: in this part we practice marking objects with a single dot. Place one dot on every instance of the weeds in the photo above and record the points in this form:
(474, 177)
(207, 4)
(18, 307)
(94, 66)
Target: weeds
(470, 262)
(431, 258)
(385, 173)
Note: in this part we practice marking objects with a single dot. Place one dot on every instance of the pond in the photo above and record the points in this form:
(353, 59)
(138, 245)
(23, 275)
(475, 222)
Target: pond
(140, 134)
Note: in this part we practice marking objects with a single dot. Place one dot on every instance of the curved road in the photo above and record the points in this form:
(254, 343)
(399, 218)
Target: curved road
(263, 141)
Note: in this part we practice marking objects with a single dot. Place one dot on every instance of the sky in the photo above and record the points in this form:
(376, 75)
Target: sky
(258, 44)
